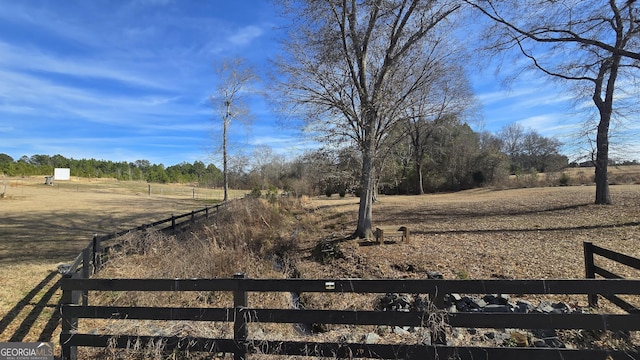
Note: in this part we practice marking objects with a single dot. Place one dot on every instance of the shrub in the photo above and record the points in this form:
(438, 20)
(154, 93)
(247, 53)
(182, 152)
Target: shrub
(462, 274)
(325, 251)
(564, 179)
(478, 177)
(272, 194)
(256, 192)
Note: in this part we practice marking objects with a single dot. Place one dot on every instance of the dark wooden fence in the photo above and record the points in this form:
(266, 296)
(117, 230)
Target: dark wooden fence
(240, 315)
(591, 270)
(91, 258)
(75, 305)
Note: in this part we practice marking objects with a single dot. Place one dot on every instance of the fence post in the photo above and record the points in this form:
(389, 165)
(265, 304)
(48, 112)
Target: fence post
(97, 261)
(173, 222)
(206, 211)
(590, 271)
(86, 272)
(69, 325)
(240, 329)
(193, 216)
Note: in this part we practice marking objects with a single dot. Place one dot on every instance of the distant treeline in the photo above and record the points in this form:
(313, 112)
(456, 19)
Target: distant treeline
(140, 170)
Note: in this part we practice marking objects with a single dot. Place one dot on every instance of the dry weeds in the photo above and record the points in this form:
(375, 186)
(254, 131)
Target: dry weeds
(523, 234)
(533, 233)
(42, 226)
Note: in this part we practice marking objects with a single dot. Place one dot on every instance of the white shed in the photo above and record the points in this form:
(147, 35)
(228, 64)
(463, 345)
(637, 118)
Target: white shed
(62, 174)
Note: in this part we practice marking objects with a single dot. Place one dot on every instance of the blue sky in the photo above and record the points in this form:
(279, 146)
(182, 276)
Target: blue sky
(129, 80)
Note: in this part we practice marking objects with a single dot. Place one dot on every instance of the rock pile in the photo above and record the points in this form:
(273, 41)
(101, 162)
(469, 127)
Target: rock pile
(501, 303)
(496, 303)
(402, 302)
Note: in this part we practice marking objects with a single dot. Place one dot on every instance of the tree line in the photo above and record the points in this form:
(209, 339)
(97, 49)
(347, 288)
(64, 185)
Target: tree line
(139, 170)
(454, 157)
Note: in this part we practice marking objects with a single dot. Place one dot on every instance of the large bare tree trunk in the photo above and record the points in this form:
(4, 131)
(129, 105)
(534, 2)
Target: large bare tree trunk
(579, 41)
(365, 211)
(366, 61)
(603, 197)
(605, 108)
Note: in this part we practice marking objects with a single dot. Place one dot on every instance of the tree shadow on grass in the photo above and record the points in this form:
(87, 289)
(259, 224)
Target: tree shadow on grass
(30, 319)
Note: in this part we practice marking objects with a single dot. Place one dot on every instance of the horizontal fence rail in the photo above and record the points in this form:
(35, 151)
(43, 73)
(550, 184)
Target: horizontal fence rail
(350, 350)
(241, 315)
(591, 270)
(89, 259)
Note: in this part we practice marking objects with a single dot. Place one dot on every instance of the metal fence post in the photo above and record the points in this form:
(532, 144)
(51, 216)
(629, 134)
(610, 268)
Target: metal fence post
(590, 270)
(240, 329)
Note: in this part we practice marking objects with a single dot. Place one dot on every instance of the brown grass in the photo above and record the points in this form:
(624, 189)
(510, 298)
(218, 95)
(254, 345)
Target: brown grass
(618, 175)
(478, 234)
(43, 226)
(484, 233)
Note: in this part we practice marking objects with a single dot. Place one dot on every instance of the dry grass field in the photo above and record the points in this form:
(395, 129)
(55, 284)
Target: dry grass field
(484, 233)
(43, 226)
(476, 234)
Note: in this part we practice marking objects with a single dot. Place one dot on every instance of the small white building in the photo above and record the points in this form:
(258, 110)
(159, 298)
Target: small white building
(62, 174)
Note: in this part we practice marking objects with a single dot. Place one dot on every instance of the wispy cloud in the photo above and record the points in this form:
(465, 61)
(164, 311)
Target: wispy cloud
(245, 35)
(13, 58)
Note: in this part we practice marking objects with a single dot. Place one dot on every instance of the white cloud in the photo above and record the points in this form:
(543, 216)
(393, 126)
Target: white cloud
(17, 58)
(245, 35)
(548, 124)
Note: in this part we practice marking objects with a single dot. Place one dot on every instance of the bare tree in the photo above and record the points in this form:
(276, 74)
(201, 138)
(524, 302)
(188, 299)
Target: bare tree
(512, 136)
(528, 150)
(593, 43)
(234, 80)
(352, 67)
(447, 98)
